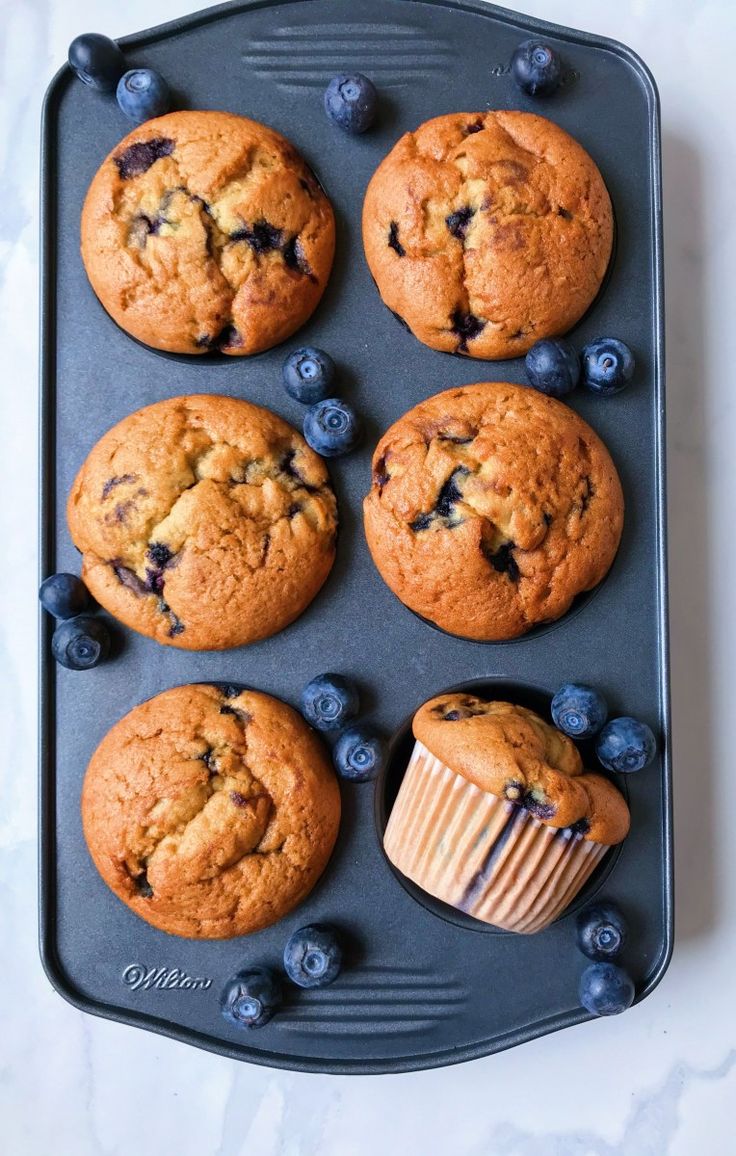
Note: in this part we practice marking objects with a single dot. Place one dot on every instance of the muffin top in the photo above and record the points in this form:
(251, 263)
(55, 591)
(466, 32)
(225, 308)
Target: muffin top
(510, 752)
(210, 811)
(204, 522)
(487, 231)
(492, 507)
(203, 231)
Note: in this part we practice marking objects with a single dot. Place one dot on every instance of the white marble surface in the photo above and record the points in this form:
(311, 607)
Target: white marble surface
(659, 1080)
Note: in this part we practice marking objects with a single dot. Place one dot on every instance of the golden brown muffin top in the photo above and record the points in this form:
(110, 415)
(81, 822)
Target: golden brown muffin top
(210, 811)
(492, 507)
(204, 522)
(510, 752)
(205, 230)
(487, 231)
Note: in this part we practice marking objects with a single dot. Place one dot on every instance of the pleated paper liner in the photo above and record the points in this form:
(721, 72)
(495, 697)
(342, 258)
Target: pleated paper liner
(482, 854)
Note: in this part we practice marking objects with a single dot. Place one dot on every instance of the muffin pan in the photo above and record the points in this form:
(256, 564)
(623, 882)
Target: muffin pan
(424, 985)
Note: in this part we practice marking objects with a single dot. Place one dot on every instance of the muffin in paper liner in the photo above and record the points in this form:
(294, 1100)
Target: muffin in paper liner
(484, 854)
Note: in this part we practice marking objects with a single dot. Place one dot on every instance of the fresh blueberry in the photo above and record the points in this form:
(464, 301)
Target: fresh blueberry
(313, 956)
(536, 68)
(579, 711)
(64, 595)
(332, 427)
(80, 643)
(308, 374)
(142, 94)
(329, 702)
(605, 989)
(608, 365)
(553, 367)
(351, 102)
(626, 745)
(97, 61)
(601, 931)
(359, 754)
(250, 998)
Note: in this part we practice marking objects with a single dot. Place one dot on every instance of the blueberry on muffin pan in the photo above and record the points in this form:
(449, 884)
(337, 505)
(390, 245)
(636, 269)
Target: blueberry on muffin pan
(608, 366)
(80, 643)
(64, 595)
(313, 956)
(250, 998)
(97, 61)
(351, 101)
(308, 374)
(142, 94)
(536, 68)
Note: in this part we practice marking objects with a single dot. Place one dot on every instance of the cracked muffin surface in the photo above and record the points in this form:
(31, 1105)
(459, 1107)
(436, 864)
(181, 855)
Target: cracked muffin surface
(204, 522)
(206, 231)
(486, 232)
(210, 811)
(491, 507)
(511, 752)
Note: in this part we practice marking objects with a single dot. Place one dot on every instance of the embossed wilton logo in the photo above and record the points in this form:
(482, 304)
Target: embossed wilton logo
(140, 978)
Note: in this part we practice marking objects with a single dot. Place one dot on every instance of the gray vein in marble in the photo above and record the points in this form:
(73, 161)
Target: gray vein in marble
(649, 1131)
(289, 1119)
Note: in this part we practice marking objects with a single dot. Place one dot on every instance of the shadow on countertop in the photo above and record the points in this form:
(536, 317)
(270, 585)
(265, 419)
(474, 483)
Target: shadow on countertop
(690, 548)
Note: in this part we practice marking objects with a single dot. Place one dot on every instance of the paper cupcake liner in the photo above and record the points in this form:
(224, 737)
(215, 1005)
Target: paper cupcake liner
(483, 854)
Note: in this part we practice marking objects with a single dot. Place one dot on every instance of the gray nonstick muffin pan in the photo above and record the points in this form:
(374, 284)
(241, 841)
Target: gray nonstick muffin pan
(424, 985)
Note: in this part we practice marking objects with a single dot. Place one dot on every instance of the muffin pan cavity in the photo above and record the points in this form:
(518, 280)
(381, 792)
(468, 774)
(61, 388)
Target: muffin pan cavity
(402, 743)
(419, 988)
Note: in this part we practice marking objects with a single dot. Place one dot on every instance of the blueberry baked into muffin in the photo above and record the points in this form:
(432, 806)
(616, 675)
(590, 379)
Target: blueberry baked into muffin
(206, 231)
(204, 522)
(210, 811)
(491, 508)
(486, 232)
(495, 814)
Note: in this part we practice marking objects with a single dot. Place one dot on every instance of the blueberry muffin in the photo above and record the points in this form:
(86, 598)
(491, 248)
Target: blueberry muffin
(486, 232)
(203, 522)
(210, 811)
(204, 231)
(492, 507)
(496, 816)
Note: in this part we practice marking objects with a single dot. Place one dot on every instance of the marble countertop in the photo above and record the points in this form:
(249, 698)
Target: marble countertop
(658, 1080)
